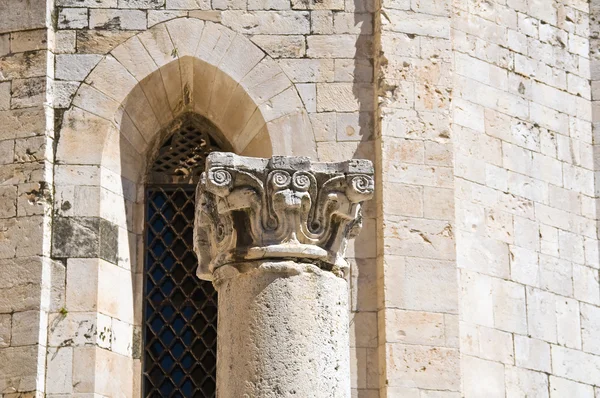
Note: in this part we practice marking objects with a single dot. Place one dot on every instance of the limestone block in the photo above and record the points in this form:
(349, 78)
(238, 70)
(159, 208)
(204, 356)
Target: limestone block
(269, 5)
(84, 237)
(586, 284)
(590, 321)
(556, 275)
(287, 46)
(23, 65)
(476, 300)
(122, 334)
(482, 378)
(268, 22)
(22, 16)
(158, 16)
(575, 365)
(206, 15)
(113, 281)
(308, 70)
(524, 266)
(30, 40)
(188, 4)
(334, 46)
(414, 327)
(324, 126)
(100, 41)
(484, 255)
(428, 238)
(75, 66)
(568, 323)
(61, 93)
(321, 22)
(355, 23)
(114, 374)
(118, 19)
(315, 5)
(541, 314)
(422, 366)
(73, 18)
(104, 75)
(430, 296)
(363, 284)
(5, 330)
(495, 345)
(532, 353)
(18, 366)
(524, 383)
(141, 4)
(560, 387)
(96, 102)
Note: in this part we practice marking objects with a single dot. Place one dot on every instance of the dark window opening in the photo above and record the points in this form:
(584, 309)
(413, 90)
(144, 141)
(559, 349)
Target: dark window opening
(180, 310)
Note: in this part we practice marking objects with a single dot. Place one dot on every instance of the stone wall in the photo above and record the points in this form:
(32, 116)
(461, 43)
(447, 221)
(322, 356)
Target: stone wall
(526, 208)
(30, 284)
(476, 273)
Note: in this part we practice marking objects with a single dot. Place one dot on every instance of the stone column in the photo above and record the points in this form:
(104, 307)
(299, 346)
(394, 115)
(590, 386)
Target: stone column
(271, 234)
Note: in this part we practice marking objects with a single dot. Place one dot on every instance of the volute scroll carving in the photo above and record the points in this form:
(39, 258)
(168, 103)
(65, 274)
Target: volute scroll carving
(253, 209)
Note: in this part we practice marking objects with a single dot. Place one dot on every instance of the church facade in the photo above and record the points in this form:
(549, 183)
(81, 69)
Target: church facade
(477, 269)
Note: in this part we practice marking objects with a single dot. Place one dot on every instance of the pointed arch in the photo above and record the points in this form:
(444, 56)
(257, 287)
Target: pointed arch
(183, 65)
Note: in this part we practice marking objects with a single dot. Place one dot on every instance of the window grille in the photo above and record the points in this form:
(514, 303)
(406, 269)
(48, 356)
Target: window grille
(180, 311)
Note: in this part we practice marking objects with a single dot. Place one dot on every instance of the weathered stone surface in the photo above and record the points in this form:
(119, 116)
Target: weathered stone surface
(268, 231)
(279, 208)
(85, 237)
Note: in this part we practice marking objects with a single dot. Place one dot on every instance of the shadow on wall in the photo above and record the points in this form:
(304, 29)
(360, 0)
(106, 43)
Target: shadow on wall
(363, 272)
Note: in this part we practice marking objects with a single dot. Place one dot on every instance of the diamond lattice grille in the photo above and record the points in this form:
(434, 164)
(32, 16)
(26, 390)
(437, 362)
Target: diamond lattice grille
(180, 309)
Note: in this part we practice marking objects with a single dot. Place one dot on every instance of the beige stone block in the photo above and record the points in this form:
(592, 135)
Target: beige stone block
(18, 366)
(363, 285)
(8, 201)
(100, 41)
(74, 328)
(414, 327)
(484, 255)
(560, 387)
(265, 81)
(188, 4)
(438, 203)
(29, 40)
(82, 272)
(267, 22)
(586, 284)
(324, 125)
(476, 299)
(402, 199)
(110, 382)
(350, 22)
(134, 57)
(159, 45)
(103, 77)
(94, 101)
(334, 46)
(482, 378)
(153, 89)
(59, 377)
(575, 365)
(363, 329)
(495, 345)
(140, 114)
(268, 5)
(75, 66)
(72, 18)
(292, 134)
(308, 70)
(206, 15)
(78, 124)
(118, 19)
(158, 16)
(185, 34)
(525, 383)
(23, 65)
(115, 291)
(32, 149)
(541, 314)
(5, 330)
(358, 368)
(338, 97)
(281, 46)
(431, 368)
(84, 360)
(590, 321)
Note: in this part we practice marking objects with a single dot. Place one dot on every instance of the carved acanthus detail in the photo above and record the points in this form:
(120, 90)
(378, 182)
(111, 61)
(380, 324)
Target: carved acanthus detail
(249, 209)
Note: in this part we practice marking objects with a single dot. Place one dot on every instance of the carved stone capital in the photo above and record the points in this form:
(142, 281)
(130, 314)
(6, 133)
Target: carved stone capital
(289, 208)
